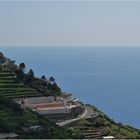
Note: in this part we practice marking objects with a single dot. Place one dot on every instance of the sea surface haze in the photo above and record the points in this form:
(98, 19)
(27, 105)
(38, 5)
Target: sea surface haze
(108, 78)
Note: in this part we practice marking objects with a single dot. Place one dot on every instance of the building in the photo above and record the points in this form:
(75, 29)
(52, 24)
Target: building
(60, 107)
(68, 99)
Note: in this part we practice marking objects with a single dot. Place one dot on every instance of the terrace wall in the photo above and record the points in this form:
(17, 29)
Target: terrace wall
(39, 100)
(64, 116)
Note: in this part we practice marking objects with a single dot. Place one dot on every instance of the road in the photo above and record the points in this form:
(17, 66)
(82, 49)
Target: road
(88, 113)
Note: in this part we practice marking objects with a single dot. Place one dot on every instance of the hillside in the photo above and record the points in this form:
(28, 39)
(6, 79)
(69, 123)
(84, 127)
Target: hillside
(103, 126)
(26, 123)
(12, 88)
(15, 83)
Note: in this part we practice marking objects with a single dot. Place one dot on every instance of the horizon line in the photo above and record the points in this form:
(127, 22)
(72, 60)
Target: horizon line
(42, 46)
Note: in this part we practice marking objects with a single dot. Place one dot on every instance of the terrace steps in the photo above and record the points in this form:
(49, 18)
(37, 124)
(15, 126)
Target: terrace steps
(12, 88)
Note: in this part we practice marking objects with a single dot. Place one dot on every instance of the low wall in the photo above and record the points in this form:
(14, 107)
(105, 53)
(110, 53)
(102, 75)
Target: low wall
(65, 116)
(45, 105)
(40, 100)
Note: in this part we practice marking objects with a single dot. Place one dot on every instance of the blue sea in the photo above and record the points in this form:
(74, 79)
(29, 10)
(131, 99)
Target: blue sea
(108, 78)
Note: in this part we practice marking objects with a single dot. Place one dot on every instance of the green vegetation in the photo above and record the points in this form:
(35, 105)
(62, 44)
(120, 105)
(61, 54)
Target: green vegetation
(15, 83)
(13, 88)
(26, 123)
(103, 126)
(46, 89)
(42, 85)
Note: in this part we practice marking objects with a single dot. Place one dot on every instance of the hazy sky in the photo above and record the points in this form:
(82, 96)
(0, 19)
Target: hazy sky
(70, 23)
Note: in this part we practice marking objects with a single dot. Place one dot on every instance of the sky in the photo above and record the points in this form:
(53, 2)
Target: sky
(69, 23)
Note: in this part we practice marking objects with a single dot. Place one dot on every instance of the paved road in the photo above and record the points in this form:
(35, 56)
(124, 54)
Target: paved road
(88, 113)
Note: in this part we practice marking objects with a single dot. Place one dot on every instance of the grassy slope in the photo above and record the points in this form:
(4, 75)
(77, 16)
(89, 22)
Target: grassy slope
(11, 120)
(12, 88)
(103, 126)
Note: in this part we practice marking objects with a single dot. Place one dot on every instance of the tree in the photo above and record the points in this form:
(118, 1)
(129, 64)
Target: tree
(22, 66)
(30, 73)
(43, 77)
(10, 104)
(30, 76)
(51, 80)
(44, 80)
(19, 74)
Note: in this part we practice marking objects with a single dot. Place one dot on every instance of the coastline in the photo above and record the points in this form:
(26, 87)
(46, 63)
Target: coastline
(118, 75)
(23, 92)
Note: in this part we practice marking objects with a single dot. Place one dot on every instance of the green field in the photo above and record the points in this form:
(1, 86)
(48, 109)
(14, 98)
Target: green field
(11, 88)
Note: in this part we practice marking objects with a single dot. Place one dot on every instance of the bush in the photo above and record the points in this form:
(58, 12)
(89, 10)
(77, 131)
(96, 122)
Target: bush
(10, 104)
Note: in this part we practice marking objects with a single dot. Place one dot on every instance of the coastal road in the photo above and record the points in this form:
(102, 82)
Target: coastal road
(88, 113)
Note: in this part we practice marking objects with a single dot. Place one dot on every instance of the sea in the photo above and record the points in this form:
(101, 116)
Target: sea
(106, 77)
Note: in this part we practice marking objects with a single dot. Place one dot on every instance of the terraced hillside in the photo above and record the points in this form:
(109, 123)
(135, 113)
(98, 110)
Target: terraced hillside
(27, 124)
(96, 128)
(11, 88)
